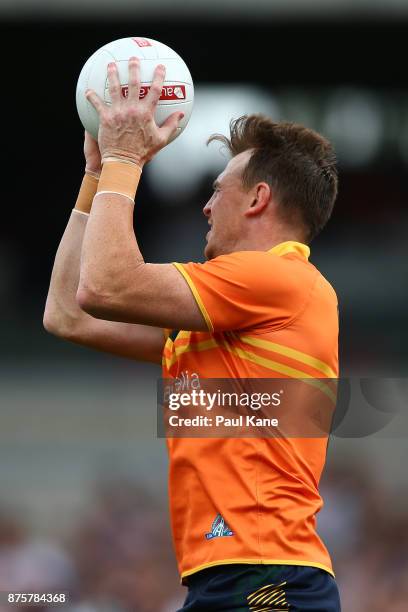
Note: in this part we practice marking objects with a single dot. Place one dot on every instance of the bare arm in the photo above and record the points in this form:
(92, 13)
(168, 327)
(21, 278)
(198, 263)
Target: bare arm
(115, 282)
(64, 318)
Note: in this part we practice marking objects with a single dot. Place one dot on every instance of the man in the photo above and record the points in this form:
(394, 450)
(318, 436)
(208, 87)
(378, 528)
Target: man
(243, 510)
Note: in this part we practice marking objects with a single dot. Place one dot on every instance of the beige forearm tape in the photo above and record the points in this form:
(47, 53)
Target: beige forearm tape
(119, 177)
(87, 193)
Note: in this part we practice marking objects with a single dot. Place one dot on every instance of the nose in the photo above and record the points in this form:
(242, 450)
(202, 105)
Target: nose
(207, 208)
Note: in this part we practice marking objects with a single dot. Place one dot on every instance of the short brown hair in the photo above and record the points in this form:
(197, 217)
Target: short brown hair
(297, 163)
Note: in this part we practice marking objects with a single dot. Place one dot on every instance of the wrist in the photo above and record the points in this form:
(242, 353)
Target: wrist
(119, 176)
(87, 192)
(93, 171)
(123, 156)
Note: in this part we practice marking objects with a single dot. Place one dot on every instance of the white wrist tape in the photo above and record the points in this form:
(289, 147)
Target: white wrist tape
(115, 193)
(80, 212)
(121, 160)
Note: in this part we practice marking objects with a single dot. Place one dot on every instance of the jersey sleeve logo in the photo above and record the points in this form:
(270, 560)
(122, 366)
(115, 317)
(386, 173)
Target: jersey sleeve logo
(219, 529)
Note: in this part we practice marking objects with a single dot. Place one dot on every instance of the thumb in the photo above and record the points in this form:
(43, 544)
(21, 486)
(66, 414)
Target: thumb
(171, 124)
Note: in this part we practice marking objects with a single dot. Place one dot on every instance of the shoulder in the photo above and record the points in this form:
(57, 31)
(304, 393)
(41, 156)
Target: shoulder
(259, 262)
(259, 271)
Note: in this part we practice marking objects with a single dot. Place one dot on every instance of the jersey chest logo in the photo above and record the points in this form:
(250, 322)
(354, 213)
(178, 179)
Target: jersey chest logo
(219, 529)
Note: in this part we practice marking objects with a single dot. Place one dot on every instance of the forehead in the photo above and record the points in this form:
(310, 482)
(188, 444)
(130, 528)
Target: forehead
(235, 166)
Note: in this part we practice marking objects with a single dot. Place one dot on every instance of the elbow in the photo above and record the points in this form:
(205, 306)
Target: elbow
(87, 300)
(52, 320)
(49, 323)
(91, 302)
(57, 326)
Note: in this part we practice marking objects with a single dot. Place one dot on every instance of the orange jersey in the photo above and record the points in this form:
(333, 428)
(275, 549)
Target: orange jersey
(249, 500)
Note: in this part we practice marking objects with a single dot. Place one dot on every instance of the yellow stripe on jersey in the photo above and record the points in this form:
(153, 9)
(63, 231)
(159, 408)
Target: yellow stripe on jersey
(196, 295)
(283, 369)
(205, 345)
(252, 357)
(290, 352)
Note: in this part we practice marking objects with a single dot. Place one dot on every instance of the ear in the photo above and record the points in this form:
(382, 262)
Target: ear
(261, 195)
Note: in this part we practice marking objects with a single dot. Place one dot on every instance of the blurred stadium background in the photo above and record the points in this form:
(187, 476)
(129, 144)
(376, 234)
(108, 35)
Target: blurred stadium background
(82, 474)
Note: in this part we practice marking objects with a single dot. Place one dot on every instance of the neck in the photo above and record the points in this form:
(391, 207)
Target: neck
(267, 240)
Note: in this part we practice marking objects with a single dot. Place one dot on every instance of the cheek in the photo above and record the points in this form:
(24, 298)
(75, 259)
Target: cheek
(231, 218)
(223, 209)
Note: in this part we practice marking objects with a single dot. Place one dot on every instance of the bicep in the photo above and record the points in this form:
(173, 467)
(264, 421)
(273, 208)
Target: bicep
(171, 302)
(155, 295)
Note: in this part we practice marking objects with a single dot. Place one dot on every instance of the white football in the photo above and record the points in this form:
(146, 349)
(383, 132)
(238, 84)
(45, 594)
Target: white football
(178, 89)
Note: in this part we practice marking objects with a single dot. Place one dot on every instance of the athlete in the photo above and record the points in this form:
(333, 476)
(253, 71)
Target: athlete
(243, 510)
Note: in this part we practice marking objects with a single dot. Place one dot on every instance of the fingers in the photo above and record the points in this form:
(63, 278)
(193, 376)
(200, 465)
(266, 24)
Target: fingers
(171, 124)
(154, 94)
(115, 90)
(134, 79)
(95, 100)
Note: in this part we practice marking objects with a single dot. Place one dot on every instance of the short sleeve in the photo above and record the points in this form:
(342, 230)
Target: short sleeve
(249, 289)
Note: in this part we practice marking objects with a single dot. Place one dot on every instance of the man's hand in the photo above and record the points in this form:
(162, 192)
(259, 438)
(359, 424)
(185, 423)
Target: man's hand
(127, 128)
(92, 155)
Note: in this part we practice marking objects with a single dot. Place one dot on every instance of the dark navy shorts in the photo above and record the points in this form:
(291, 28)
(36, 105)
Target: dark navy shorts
(261, 588)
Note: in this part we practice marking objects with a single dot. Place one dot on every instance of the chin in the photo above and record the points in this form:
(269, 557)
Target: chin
(209, 251)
